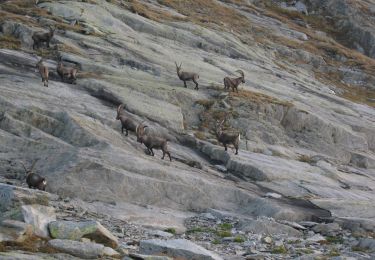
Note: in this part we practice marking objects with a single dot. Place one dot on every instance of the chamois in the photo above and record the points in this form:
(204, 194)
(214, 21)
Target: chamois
(126, 122)
(43, 70)
(227, 138)
(151, 141)
(66, 72)
(234, 82)
(39, 37)
(33, 180)
(187, 76)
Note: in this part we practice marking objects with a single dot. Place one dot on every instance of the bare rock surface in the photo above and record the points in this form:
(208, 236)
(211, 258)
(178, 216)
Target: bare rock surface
(76, 230)
(177, 248)
(39, 217)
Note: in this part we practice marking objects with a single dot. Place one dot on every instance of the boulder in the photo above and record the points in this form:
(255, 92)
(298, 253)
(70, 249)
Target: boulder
(330, 229)
(267, 227)
(15, 231)
(357, 225)
(149, 257)
(12, 198)
(79, 249)
(367, 244)
(87, 229)
(176, 248)
(39, 217)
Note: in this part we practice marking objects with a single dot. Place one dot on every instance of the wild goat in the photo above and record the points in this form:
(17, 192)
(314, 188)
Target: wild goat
(126, 122)
(227, 138)
(234, 82)
(43, 70)
(39, 37)
(151, 141)
(187, 76)
(66, 73)
(33, 179)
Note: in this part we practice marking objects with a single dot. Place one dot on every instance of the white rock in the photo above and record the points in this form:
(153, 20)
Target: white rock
(39, 217)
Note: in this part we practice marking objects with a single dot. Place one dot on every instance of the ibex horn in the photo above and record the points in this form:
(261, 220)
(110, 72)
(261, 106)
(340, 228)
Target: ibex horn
(241, 72)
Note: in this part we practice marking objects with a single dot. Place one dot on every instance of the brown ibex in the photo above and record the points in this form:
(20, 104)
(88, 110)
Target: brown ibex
(43, 70)
(33, 180)
(187, 76)
(226, 137)
(66, 73)
(152, 142)
(234, 82)
(39, 37)
(126, 122)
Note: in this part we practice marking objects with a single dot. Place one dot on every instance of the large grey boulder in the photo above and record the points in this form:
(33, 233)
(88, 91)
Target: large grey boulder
(88, 229)
(366, 244)
(85, 250)
(12, 199)
(15, 231)
(176, 248)
(39, 217)
(268, 227)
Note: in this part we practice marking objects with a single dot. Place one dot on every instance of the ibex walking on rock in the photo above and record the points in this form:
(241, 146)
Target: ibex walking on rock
(126, 122)
(66, 73)
(227, 138)
(234, 82)
(152, 142)
(39, 37)
(33, 180)
(43, 70)
(187, 76)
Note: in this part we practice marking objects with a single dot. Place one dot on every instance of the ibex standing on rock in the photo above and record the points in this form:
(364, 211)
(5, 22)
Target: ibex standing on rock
(66, 73)
(39, 37)
(227, 138)
(152, 142)
(126, 122)
(33, 180)
(234, 82)
(187, 76)
(43, 70)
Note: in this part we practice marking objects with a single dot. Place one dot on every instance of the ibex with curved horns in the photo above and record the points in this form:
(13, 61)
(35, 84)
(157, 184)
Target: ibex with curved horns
(126, 122)
(152, 142)
(39, 37)
(187, 76)
(234, 82)
(227, 138)
(33, 180)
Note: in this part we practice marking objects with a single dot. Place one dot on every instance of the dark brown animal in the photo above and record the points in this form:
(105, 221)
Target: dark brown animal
(187, 76)
(234, 82)
(67, 74)
(126, 122)
(34, 180)
(226, 137)
(152, 142)
(43, 70)
(40, 37)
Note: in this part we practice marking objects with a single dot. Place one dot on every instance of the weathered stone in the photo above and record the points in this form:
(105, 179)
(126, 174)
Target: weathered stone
(79, 249)
(159, 233)
(39, 217)
(15, 231)
(12, 198)
(89, 229)
(267, 240)
(268, 227)
(150, 257)
(316, 238)
(358, 225)
(176, 248)
(330, 229)
(367, 244)
(108, 251)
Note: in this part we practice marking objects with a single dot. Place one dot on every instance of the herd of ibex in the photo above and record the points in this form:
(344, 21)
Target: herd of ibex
(151, 141)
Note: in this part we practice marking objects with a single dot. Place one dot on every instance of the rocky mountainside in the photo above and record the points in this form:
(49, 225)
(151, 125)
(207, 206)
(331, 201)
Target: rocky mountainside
(302, 184)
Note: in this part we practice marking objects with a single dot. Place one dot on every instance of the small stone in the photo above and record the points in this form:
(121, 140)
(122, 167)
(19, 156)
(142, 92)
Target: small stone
(159, 233)
(79, 249)
(273, 195)
(316, 238)
(267, 240)
(107, 251)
